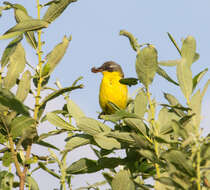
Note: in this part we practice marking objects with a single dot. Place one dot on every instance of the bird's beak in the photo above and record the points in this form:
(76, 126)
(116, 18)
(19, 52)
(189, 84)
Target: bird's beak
(97, 70)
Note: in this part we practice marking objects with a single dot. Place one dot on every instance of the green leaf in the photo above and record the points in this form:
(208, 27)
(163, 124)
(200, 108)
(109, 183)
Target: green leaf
(149, 155)
(180, 161)
(24, 26)
(163, 73)
(108, 177)
(169, 63)
(184, 75)
(136, 124)
(7, 159)
(205, 151)
(110, 163)
(133, 41)
(45, 70)
(24, 86)
(122, 180)
(28, 25)
(174, 102)
(196, 57)
(77, 141)
(105, 142)
(44, 81)
(6, 180)
(205, 88)
(55, 9)
(20, 125)
(92, 126)
(84, 165)
(174, 42)
(59, 122)
(42, 166)
(31, 160)
(15, 6)
(198, 77)
(141, 142)
(166, 141)
(122, 137)
(11, 35)
(188, 50)
(51, 133)
(16, 66)
(74, 110)
(146, 65)
(140, 103)
(8, 99)
(20, 16)
(32, 183)
(165, 118)
(2, 139)
(119, 115)
(179, 130)
(168, 181)
(195, 105)
(54, 57)
(54, 95)
(9, 50)
(59, 92)
(2, 8)
(129, 81)
(46, 144)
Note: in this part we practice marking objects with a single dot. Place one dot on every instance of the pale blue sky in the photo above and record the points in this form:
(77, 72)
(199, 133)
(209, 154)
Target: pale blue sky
(95, 27)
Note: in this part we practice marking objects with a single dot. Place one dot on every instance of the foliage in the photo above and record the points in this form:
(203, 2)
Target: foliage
(168, 148)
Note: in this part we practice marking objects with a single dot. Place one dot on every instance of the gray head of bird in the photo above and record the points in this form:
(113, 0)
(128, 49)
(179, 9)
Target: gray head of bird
(109, 66)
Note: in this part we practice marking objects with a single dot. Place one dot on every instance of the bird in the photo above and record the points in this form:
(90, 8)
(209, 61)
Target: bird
(111, 90)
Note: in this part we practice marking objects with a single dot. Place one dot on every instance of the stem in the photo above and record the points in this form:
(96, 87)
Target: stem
(14, 156)
(21, 175)
(37, 99)
(155, 129)
(63, 173)
(198, 169)
(197, 149)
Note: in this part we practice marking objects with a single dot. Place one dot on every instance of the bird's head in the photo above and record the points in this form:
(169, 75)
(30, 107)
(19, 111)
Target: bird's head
(108, 66)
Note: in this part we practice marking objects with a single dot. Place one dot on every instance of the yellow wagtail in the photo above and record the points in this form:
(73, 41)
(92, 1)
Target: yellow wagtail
(111, 90)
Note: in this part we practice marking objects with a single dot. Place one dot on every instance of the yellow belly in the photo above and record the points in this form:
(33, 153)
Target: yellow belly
(111, 90)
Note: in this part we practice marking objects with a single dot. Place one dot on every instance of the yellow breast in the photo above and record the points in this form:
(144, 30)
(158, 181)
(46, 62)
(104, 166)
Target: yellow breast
(111, 90)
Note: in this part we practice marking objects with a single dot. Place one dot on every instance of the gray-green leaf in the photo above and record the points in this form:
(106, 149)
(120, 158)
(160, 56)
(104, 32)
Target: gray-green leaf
(8, 99)
(20, 124)
(24, 26)
(146, 65)
(9, 50)
(105, 142)
(16, 66)
(54, 57)
(184, 75)
(74, 110)
(140, 103)
(20, 16)
(32, 183)
(55, 9)
(163, 73)
(59, 122)
(122, 181)
(24, 86)
(77, 141)
(188, 50)
(133, 41)
(84, 165)
(92, 126)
